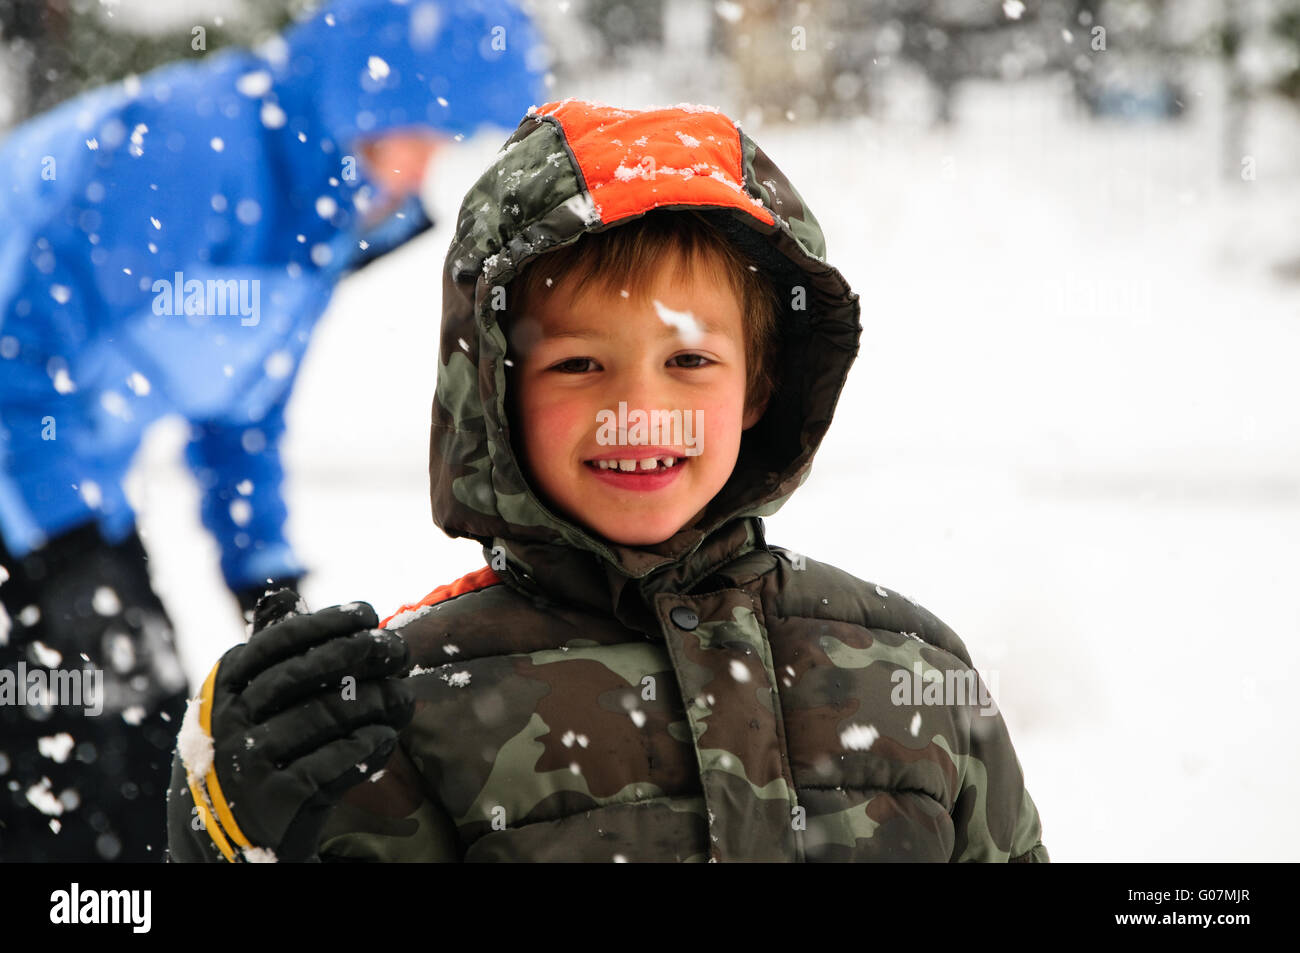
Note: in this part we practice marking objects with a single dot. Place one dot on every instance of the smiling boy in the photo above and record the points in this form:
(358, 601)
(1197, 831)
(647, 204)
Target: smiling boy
(635, 674)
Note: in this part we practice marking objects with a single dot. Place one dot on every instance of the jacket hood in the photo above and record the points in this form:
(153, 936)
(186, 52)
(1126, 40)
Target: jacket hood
(573, 167)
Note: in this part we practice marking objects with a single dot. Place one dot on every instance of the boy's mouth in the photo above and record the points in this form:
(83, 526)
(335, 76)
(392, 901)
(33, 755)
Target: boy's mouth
(638, 469)
(641, 465)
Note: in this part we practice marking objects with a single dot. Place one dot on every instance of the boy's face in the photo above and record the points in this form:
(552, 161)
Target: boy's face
(580, 357)
(397, 161)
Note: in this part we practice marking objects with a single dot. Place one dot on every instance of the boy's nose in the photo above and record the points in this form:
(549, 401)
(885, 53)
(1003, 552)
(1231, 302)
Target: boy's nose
(641, 389)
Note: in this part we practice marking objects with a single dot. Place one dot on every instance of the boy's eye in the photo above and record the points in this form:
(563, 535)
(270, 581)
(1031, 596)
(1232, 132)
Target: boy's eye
(574, 365)
(692, 360)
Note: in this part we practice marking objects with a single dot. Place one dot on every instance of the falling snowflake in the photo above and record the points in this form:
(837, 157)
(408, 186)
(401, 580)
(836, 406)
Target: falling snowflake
(91, 493)
(254, 84)
(55, 747)
(278, 364)
(731, 12)
(248, 212)
(137, 140)
(105, 601)
(859, 737)
(138, 383)
(273, 116)
(42, 799)
(45, 655)
(241, 512)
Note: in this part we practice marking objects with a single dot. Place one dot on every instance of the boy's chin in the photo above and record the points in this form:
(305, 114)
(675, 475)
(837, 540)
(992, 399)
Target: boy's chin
(647, 536)
(628, 533)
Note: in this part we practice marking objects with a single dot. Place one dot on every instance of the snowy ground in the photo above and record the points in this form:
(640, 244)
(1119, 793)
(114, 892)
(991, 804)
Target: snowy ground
(1071, 433)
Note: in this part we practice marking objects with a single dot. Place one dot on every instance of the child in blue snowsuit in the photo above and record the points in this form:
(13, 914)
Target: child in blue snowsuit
(168, 245)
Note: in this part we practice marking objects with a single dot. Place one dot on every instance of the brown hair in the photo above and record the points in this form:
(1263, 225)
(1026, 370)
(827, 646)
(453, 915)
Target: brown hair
(624, 258)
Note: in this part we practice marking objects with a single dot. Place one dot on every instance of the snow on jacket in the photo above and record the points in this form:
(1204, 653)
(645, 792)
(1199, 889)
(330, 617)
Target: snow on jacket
(170, 241)
(709, 698)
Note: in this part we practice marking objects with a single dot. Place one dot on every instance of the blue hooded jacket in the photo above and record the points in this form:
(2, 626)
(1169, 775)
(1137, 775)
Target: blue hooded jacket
(169, 243)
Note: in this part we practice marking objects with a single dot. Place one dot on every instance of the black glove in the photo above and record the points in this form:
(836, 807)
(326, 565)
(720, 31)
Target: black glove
(310, 706)
(248, 596)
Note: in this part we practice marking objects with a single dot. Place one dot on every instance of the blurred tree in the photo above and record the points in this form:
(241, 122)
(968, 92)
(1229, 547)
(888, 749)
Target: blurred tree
(1285, 27)
(776, 46)
(951, 40)
(823, 59)
(63, 47)
(35, 34)
(1231, 32)
(623, 23)
(1137, 73)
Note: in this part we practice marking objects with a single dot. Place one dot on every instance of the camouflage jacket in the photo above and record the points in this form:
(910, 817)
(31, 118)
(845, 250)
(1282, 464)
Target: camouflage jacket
(708, 698)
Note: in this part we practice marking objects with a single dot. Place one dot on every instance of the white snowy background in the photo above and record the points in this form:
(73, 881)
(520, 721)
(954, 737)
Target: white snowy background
(1071, 433)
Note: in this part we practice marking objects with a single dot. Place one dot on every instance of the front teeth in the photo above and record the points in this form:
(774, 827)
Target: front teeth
(628, 466)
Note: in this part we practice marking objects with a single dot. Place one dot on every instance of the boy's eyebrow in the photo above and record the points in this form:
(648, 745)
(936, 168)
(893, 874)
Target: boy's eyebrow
(572, 334)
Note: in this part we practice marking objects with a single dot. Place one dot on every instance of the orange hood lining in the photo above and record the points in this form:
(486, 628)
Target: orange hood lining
(636, 160)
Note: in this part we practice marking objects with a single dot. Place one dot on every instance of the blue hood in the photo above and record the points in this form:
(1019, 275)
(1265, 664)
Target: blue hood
(364, 66)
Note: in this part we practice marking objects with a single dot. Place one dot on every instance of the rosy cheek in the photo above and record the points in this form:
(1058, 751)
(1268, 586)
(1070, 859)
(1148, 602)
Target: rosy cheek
(556, 425)
(721, 419)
